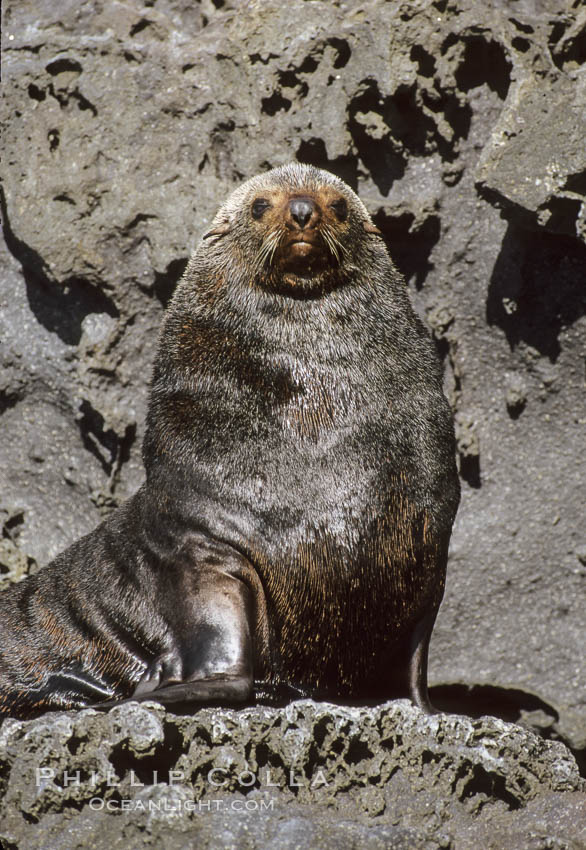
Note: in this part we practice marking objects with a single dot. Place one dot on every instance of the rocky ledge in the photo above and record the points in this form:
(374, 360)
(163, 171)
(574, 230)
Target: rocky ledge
(307, 775)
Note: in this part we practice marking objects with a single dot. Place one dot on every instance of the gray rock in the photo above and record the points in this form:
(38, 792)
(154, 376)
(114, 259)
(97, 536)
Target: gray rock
(263, 777)
(540, 183)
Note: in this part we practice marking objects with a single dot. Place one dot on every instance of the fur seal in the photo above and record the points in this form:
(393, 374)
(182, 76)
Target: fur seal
(300, 485)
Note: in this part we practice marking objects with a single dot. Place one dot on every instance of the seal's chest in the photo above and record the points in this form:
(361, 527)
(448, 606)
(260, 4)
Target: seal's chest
(332, 605)
(319, 404)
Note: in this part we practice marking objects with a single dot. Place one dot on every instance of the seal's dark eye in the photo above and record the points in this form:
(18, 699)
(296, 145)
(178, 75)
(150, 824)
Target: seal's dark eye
(340, 207)
(259, 207)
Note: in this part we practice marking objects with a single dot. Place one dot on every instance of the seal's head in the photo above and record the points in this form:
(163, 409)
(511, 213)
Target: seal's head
(295, 227)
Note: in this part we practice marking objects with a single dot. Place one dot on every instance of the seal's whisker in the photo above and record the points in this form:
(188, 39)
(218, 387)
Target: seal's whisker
(275, 242)
(332, 242)
(268, 247)
(335, 245)
(264, 250)
(274, 248)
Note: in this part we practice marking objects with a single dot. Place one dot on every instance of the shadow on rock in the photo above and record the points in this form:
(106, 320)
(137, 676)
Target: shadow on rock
(537, 288)
(60, 308)
(510, 704)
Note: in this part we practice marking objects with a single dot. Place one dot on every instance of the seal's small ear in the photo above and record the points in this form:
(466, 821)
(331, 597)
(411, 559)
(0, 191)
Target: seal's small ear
(371, 228)
(221, 230)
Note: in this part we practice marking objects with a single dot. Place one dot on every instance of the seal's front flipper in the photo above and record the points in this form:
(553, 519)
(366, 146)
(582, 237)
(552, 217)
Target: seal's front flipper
(417, 671)
(224, 689)
(217, 636)
(164, 668)
(212, 659)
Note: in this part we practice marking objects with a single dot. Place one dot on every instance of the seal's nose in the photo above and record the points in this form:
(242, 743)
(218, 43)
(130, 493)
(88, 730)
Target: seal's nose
(301, 210)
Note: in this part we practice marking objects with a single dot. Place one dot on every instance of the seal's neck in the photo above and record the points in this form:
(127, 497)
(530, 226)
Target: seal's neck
(339, 323)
